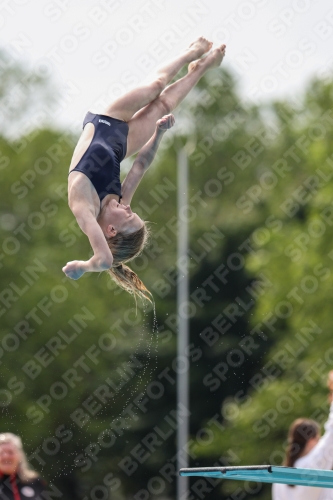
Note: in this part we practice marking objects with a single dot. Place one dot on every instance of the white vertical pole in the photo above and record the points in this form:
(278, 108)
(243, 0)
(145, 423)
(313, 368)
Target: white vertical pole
(183, 333)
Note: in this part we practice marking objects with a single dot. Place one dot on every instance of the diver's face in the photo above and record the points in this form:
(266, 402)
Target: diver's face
(9, 458)
(121, 218)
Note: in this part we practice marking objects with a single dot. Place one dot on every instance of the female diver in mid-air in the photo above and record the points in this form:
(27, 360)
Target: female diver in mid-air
(100, 203)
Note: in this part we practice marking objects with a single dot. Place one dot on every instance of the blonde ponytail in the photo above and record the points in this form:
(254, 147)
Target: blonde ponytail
(129, 281)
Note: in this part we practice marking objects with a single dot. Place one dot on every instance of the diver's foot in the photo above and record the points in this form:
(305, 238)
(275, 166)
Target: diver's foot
(199, 47)
(212, 60)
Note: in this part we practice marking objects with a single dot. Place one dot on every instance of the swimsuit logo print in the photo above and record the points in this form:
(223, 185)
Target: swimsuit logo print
(104, 121)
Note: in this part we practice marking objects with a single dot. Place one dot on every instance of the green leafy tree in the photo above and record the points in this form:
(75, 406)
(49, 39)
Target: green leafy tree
(88, 382)
(294, 315)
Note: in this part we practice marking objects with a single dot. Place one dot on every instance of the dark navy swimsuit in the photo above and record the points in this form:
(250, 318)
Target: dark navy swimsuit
(101, 162)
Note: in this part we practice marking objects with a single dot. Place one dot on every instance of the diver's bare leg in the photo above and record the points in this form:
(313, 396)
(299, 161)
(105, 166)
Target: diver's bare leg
(126, 106)
(142, 125)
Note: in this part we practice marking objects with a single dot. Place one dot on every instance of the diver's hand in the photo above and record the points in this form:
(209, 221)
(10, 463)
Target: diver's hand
(74, 269)
(97, 263)
(166, 122)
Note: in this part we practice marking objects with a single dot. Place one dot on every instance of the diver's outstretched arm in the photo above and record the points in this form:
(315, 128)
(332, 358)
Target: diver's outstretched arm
(102, 258)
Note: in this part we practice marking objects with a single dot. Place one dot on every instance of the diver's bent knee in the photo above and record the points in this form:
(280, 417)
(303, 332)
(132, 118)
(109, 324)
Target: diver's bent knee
(159, 85)
(155, 88)
(164, 104)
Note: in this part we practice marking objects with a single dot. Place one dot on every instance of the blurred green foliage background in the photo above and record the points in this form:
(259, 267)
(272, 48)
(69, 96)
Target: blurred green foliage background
(87, 381)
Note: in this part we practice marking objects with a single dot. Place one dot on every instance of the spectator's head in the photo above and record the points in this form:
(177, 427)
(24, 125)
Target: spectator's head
(12, 457)
(303, 435)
